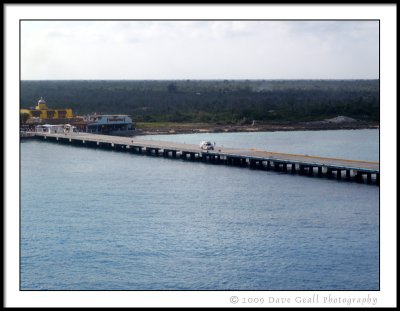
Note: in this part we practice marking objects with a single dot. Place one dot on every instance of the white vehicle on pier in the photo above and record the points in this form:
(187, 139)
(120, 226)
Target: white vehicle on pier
(206, 145)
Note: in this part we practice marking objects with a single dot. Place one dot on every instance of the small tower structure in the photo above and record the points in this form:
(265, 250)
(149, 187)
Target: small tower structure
(41, 105)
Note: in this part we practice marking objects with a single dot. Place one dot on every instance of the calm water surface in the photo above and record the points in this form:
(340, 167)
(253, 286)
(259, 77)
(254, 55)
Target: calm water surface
(345, 144)
(104, 220)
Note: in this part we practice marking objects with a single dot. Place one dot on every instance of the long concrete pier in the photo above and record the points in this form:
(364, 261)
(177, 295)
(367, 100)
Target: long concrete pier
(340, 169)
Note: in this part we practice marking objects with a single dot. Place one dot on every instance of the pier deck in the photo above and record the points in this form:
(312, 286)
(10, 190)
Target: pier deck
(258, 159)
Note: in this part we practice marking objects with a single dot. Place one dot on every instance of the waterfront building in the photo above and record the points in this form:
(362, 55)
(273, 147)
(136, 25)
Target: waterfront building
(114, 124)
(56, 128)
(106, 123)
(42, 112)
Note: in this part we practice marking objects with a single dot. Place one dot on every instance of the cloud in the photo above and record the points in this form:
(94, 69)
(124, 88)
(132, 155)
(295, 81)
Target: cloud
(199, 49)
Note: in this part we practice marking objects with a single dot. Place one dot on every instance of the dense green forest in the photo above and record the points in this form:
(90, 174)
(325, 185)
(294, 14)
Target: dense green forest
(213, 101)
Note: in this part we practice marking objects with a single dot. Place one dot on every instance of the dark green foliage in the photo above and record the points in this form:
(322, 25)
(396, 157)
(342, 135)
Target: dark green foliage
(23, 117)
(214, 101)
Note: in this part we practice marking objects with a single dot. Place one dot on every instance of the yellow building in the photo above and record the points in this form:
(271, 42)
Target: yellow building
(41, 111)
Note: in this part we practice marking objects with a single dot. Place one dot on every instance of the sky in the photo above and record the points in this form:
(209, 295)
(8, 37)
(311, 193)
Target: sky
(199, 49)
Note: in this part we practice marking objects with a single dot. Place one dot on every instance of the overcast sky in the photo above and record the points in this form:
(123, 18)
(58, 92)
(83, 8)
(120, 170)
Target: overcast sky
(199, 50)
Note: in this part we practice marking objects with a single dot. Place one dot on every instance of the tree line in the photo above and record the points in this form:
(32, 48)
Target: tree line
(213, 101)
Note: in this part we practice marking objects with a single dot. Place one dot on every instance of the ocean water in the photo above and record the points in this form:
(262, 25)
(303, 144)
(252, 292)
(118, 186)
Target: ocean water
(345, 144)
(94, 219)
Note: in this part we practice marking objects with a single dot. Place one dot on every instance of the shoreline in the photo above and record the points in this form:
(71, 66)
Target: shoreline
(212, 128)
(144, 129)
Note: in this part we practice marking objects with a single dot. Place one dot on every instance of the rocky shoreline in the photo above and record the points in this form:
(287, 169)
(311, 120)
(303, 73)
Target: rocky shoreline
(264, 127)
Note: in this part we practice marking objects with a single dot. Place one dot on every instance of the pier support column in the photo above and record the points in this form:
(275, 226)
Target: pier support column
(293, 168)
(310, 170)
(329, 172)
(377, 178)
(359, 176)
(256, 164)
(92, 144)
(152, 151)
(118, 147)
(319, 174)
(268, 165)
(338, 174)
(104, 145)
(301, 169)
(284, 167)
(369, 179)
(348, 174)
(238, 162)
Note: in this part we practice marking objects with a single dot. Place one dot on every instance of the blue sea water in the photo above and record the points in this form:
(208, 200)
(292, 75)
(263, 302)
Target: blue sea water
(345, 144)
(104, 220)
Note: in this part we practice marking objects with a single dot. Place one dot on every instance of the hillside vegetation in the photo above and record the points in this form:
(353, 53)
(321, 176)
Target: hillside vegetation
(211, 101)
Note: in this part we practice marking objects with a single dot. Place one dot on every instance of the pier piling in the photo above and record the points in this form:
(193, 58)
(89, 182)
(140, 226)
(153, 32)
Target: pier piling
(262, 160)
